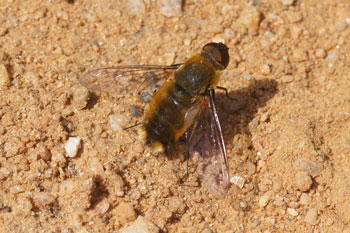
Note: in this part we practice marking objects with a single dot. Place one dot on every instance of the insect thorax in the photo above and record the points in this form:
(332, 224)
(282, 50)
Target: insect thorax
(195, 75)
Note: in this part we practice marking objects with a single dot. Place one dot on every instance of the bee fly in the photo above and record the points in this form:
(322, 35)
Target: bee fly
(184, 104)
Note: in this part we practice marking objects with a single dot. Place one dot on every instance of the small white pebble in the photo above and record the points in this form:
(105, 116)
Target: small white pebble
(96, 166)
(229, 33)
(4, 76)
(187, 42)
(287, 78)
(250, 18)
(170, 8)
(136, 7)
(279, 201)
(304, 199)
(333, 56)
(238, 180)
(264, 199)
(44, 198)
(340, 26)
(72, 146)
(118, 121)
(320, 53)
(4, 173)
(287, 2)
(265, 69)
(218, 39)
(169, 58)
(256, 223)
(292, 212)
(16, 189)
(103, 206)
(141, 224)
(303, 181)
(294, 204)
(311, 217)
(271, 220)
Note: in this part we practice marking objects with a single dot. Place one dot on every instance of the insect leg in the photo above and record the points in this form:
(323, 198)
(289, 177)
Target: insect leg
(226, 92)
(132, 126)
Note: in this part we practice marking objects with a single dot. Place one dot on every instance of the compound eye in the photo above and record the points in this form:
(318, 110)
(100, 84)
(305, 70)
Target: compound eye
(219, 52)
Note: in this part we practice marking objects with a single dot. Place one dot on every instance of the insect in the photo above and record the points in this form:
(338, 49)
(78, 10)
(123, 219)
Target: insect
(183, 104)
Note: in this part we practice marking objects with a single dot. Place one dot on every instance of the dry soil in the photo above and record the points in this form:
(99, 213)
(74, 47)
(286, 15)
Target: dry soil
(287, 132)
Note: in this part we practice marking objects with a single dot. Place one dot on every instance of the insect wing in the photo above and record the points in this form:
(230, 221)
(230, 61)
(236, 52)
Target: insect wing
(122, 80)
(206, 148)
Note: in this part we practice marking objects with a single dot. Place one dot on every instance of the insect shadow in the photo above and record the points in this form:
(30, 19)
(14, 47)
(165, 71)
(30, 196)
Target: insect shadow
(236, 115)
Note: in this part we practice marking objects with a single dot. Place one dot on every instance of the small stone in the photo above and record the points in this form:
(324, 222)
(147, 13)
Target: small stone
(4, 173)
(304, 199)
(4, 31)
(287, 2)
(265, 117)
(303, 181)
(72, 146)
(294, 204)
(117, 184)
(141, 225)
(294, 17)
(292, 212)
(287, 78)
(265, 69)
(229, 33)
(118, 121)
(300, 55)
(264, 199)
(43, 152)
(271, 220)
(32, 78)
(4, 77)
(80, 97)
(340, 26)
(207, 230)
(169, 58)
(238, 180)
(96, 166)
(187, 42)
(296, 31)
(136, 7)
(311, 217)
(276, 184)
(16, 189)
(212, 27)
(278, 201)
(250, 18)
(320, 53)
(77, 219)
(251, 168)
(170, 8)
(103, 206)
(43, 199)
(124, 213)
(218, 39)
(23, 207)
(332, 56)
(256, 223)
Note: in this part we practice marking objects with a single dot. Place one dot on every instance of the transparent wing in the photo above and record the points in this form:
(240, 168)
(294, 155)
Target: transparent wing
(206, 148)
(122, 80)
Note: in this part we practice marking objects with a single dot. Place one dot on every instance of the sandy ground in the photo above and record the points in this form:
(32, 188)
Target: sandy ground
(287, 134)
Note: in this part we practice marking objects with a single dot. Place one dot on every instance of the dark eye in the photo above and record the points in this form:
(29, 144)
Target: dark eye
(219, 53)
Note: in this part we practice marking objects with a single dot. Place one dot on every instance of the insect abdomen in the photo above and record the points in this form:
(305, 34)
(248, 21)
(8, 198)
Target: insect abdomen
(164, 116)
